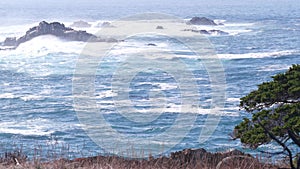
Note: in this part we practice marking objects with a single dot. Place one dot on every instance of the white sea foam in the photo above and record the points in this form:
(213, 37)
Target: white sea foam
(24, 131)
(50, 44)
(46, 44)
(233, 99)
(106, 94)
(31, 97)
(7, 96)
(237, 28)
(231, 28)
(236, 31)
(258, 55)
(239, 24)
(24, 98)
(14, 30)
(38, 56)
(36, 127)
(42, 56)
(219, 21)
(168, 108)
(270, 68)
(6, 84)
(166, 86)
(94, 28)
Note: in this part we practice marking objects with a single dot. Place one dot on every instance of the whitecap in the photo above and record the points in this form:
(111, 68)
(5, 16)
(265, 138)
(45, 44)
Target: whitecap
(46, 44)
(166, 86)
(219, 21)
(33, 127)
(14, 30)
(231, 24)
(32, 132)
(42, 56)
(106, 94)
(258, 55)
(31, 97)
(230, 28)
(7, 96)
(270, 68)
(233, 99)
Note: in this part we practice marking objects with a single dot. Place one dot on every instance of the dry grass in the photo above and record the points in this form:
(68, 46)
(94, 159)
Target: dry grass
(186, 159)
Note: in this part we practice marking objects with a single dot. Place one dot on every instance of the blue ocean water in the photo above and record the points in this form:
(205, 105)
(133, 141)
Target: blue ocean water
(36, 97)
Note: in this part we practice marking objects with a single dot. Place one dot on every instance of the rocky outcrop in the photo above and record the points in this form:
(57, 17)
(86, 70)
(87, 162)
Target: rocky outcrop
(151, 44)
(208, 32)
(201, 21)
(81, 24)
(56, 29)
(159, 27)
(105, 25)
(217, 32)
(10, 41)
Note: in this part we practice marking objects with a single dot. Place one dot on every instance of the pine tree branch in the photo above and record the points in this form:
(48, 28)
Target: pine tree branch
(294, 137)
(272, 136)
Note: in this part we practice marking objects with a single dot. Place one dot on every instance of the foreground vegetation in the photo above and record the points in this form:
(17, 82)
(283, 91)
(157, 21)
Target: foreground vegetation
(275, 109)
(186, 159)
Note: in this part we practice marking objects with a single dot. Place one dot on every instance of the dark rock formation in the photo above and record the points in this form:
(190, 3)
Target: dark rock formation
(217, 32)
(151, 44)
(56, 29)
(81, 24)
(105, 25)
(208, 32)
(201, 21)
(159, 27)
(10, 41)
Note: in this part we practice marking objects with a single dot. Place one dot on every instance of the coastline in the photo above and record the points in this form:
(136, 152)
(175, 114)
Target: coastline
(40, 127)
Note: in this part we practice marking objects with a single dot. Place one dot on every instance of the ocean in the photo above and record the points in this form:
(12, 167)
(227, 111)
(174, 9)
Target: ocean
(37, 108)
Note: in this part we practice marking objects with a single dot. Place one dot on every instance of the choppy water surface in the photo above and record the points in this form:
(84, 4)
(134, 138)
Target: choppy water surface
(36, 103)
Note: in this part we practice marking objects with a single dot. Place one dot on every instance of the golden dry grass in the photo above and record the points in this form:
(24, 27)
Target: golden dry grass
(185, 159)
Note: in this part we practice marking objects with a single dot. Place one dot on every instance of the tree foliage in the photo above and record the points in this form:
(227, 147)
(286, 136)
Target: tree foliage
(275, 108)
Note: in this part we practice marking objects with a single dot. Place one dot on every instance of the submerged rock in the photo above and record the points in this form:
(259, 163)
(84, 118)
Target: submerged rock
(208, 32)
(159, 27)
(151, 44)
(81, 24)
(217, 32)
(105, 25)
(56, 29)
(201, 21)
